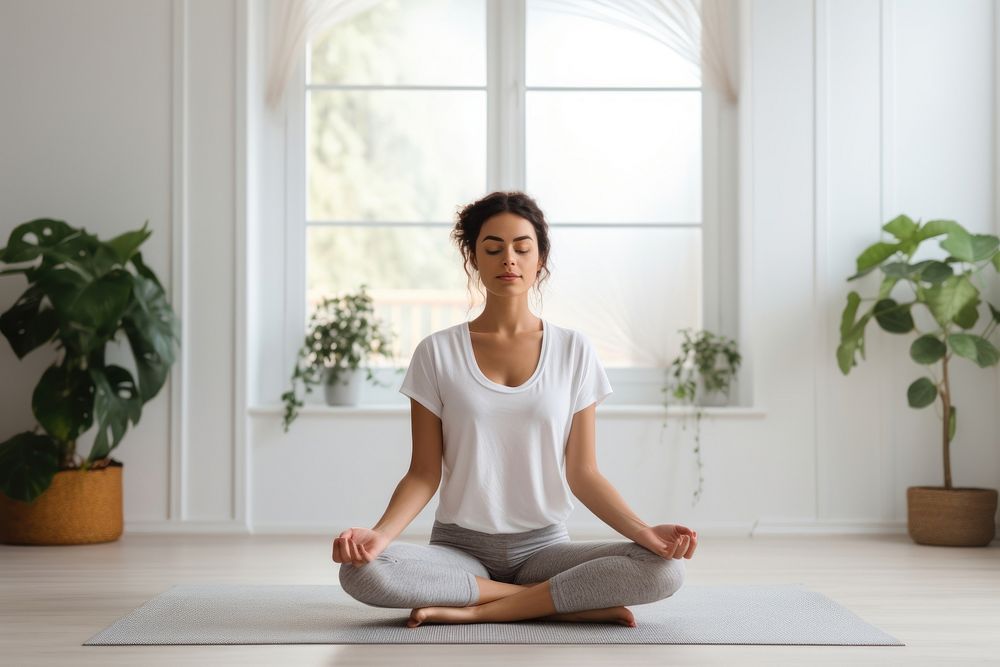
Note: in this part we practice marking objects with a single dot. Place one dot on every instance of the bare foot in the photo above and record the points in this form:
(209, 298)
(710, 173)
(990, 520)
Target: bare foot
(440, 615)
(622, 615)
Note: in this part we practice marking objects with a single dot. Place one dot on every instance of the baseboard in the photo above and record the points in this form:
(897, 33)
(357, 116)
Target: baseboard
(168, 527)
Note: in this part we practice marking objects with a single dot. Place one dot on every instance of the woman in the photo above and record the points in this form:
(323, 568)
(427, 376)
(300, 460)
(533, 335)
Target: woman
(506, 402)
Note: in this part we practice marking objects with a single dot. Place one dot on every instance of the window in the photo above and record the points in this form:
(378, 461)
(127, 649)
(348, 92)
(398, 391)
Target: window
(417, 107)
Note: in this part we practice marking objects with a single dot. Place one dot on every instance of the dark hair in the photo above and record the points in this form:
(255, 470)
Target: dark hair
(472, 217)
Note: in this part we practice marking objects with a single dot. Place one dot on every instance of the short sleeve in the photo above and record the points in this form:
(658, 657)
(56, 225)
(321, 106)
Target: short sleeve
(420, 382)
(592, 384)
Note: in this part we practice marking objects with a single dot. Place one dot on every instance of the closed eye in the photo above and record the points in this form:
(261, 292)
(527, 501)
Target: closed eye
(519, 252)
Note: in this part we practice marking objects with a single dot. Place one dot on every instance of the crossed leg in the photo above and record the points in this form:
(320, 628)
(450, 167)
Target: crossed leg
(585, 581)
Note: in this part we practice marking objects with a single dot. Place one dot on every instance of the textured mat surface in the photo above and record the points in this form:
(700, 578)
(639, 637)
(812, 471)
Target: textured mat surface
(312, 614)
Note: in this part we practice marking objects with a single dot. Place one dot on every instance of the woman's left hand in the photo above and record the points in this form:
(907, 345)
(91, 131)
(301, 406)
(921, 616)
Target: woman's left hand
(669, 540)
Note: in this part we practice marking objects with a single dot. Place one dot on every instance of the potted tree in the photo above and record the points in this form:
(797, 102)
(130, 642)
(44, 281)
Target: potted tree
(80, 295)
(702, 375)
(940, 515)
(342, 334)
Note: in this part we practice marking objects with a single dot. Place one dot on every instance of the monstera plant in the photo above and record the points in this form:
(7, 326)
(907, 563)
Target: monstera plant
(80, 296)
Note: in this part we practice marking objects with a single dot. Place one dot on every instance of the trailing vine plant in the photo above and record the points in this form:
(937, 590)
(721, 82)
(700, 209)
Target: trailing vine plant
(699, 357)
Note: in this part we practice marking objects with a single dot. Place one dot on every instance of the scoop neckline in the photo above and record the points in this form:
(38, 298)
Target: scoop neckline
(470, 358)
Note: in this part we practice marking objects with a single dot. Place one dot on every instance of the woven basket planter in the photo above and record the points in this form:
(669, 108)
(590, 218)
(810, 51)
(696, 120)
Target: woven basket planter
(78, 508)
(960, 517)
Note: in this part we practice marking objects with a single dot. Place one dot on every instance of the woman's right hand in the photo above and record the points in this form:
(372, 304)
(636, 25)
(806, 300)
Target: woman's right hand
(359, 546)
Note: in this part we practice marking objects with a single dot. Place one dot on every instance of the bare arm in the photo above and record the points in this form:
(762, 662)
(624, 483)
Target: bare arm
(587, 482)
(601, 498)
(421, 481)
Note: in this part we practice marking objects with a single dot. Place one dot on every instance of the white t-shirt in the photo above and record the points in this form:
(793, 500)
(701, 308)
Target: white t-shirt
(505, 447)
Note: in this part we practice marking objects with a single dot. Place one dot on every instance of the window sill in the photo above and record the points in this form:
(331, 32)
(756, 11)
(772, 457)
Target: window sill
(610, 410)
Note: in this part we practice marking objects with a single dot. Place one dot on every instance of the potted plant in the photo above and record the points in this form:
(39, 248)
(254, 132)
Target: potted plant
(702, 375)
(80, 295)
(941, 515)
(342, 334)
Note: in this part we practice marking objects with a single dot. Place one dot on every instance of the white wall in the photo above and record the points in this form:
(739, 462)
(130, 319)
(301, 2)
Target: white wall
(85, 137)
(116, 112)
(130, 112)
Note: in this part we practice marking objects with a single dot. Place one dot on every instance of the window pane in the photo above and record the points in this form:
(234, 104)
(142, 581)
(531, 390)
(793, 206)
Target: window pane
(413, 274)
(564, 49)
(411, 42)
(626, 284)
(394, 155)
(615, 156)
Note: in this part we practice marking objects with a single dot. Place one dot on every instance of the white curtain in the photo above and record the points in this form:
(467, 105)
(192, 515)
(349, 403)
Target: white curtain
(700, 31)
(291, 23)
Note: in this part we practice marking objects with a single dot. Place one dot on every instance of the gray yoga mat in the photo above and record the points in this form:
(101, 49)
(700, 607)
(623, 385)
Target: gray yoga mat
(312, 614)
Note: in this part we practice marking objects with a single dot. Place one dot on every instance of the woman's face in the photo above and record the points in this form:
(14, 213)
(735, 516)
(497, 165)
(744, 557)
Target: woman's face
(507, 244)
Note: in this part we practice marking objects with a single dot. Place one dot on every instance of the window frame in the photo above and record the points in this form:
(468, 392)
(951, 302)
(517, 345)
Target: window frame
(506, 157)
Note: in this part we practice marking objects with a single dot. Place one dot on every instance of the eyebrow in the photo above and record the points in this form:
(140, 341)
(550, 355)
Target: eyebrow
(497, 238)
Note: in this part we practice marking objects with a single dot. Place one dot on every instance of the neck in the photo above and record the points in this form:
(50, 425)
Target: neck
(507, 316)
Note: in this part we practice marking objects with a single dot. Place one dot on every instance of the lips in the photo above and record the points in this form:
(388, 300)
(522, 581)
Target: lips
(509, 275)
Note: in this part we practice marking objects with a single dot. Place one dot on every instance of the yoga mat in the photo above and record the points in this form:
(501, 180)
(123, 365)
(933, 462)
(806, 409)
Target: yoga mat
(325, 614)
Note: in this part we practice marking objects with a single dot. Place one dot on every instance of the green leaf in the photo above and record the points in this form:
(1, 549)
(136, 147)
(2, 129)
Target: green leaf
(927, 349)
(908, 247)
(850, 311)
(976, 348)
(63, 402)
(959, 244)
(116, 401)
(996, 313)
(921, 393)
(984, 246)
(26, 325)
(28, 239)
(144, 270)
(99, 307)
(893, 317)
(902, 227)
(947, 299)
(970, 247)
(151, 328)
(83, 252)
(969, 315)
(897, 269)
(845, 356)
(852, 334)
(62, 286)
(873, 256)
(125, 245)
(28, 462)
(938, 227)
(996, 261)
(935, 272)
(952, 422)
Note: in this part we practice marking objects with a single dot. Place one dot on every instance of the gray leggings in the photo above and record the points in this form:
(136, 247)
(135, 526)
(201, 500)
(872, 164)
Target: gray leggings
(582, 575)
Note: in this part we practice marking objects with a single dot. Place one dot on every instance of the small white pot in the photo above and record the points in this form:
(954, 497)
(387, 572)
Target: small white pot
(347, 389)
(713, 398)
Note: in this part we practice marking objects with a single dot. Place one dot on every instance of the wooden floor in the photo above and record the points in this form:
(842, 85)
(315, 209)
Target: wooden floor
(943, 602)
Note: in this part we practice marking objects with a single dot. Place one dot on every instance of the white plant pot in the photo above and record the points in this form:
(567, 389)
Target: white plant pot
(713, 398)
(347, 389)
